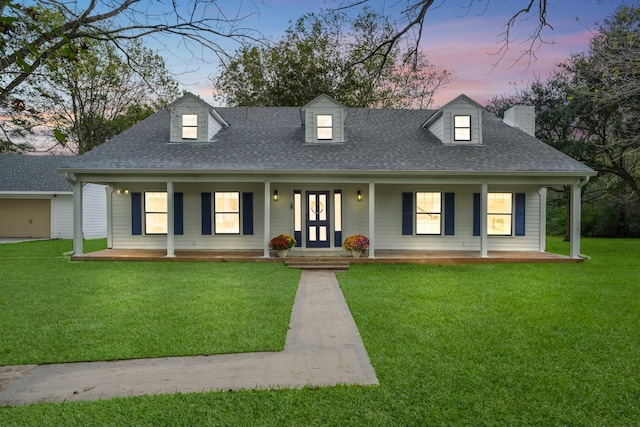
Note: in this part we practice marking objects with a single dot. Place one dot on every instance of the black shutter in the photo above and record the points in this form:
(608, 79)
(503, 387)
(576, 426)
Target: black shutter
(449, 214)
(136, 214)
(178, 207)
(476, 214)
(520, 216)
(247, 214)
(407, 214)
(206, 214)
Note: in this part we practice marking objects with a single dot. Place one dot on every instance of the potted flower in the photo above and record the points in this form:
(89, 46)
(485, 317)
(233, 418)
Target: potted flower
(282, 243)
(356, 244)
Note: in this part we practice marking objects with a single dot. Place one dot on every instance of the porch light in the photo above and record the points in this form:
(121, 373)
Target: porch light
(359, 196)
(123, 191)
(275, 195)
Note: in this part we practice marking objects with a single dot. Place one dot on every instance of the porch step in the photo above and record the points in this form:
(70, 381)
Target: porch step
(314, 264)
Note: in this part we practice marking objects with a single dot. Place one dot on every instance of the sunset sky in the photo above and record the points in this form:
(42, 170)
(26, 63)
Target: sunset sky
(459, 38)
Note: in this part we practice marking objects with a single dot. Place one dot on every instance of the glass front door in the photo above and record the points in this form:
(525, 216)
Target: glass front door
(318, 219)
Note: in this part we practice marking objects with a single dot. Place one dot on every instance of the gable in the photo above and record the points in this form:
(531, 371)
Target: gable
(459, 122)
(193, 120)
(323, 120)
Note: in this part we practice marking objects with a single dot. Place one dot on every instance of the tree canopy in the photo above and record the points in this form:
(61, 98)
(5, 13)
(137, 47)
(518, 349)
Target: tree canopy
(590, 109)
(328, 53)
(101, 92)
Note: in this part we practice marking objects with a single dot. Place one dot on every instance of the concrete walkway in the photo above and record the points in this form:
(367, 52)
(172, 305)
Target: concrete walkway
(323, 348)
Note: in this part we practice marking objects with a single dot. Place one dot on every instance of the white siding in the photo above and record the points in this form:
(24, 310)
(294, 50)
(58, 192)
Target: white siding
(324, 105)
(189, 106)
(355, 214)
(355, 217)
(62, 216)
(437, 128)
(192, 219)
(94, 211)
(443, 127)
(282, 210)
(213, 127)
(389, 221)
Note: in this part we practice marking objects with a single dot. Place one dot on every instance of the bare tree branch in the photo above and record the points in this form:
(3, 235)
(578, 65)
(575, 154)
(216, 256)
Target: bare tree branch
(412, 19)
(203, 22)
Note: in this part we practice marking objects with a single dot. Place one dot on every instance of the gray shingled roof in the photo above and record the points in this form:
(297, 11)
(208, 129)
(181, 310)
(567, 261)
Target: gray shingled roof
(19, 172)
(272, 139)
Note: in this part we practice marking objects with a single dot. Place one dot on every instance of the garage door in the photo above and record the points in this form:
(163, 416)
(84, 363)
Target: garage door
(25, 218)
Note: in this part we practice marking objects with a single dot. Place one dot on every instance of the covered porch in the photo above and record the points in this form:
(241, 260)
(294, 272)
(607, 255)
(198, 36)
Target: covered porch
(381, 257)
(374, 212)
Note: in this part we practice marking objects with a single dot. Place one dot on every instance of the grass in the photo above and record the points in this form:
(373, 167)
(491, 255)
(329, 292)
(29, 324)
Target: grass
(505, 344)
(53, 310)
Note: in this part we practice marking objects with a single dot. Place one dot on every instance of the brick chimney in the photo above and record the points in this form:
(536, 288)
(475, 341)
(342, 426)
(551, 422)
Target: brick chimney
(522, 117)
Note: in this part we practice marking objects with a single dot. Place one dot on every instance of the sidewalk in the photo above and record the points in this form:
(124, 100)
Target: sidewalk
(322, 348)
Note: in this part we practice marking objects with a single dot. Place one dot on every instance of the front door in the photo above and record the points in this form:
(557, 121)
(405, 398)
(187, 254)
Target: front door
(318, 219)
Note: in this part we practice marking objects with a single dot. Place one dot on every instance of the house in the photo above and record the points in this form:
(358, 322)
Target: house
(458, 178)
(37, 202)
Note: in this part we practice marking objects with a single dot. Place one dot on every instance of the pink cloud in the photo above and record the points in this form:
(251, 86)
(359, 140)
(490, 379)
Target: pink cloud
(478, 71)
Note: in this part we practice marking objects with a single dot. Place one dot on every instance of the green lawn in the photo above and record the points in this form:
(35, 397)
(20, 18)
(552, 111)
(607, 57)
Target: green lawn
(527, 344)
(53, 310)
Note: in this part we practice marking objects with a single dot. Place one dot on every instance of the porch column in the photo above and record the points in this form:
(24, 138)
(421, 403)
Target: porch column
(109, 191)
(267, 218)
(78, 234)
(372, 219)
(542, 192)
(484, 194)
(170, 219)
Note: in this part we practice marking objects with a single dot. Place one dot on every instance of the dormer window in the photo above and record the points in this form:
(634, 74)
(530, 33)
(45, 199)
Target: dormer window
(462, 128)
(324, 126)
(189, 126)
(324, 119)
(193, 120)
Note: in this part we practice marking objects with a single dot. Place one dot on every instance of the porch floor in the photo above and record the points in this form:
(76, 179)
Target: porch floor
(382, 257)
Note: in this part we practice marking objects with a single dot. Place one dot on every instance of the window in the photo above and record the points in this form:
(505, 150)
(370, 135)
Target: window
(324, 126)
(155, 213)
(189, 126)
(227, 212)
(337, 209)
(428, 213)
(462, 128)
(499, 213)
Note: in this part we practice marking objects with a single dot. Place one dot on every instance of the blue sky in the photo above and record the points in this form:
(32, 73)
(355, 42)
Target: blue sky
(459, 38)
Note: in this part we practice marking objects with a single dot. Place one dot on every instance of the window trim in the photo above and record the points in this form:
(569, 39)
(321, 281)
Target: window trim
(189, 127)
(148, 212)
(457, 127)
(418, 214)
(318, 127)
(215, 213)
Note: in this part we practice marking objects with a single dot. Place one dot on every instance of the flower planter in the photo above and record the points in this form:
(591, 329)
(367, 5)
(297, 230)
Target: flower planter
(281, 244)
(356, 245)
